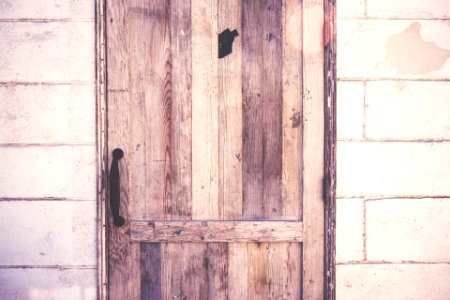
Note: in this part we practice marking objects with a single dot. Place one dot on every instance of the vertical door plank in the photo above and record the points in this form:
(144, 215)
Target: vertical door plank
(284, 271)
(205, 141)
(230, 115)
(150, 271)
(313, 155)
(180, 35)
(123, 257)
(217, 271)
(205, 108)
(258, 271)
(230, 155)
(292, 108)
(262, 130)
(150, 71)
(237, 271)
(181, 144)
(262, 105)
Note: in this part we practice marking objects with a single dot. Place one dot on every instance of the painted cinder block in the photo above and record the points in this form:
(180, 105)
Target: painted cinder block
(48, 284)
(48, 233)
(413, 9)
(350, 9)
(349, 230)
(408, 110)
(393, 282)
(47, 114)
(37, 172)
(350, 109)
(54, 51)
(392, 168)
(408, 230)
(46, 9)
(380, 49)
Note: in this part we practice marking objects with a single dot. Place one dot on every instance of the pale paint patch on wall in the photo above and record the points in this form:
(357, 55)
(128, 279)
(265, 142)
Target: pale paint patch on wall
(409, 53)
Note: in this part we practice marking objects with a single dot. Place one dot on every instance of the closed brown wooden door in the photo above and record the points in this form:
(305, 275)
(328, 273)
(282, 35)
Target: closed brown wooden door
(221, 178)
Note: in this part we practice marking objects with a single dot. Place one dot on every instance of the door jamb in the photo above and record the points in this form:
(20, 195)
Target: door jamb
(329, 186)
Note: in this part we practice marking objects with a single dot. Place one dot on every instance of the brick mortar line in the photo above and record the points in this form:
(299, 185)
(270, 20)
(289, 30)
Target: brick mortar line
(404, 262)
(46, 20)
(50, 83)
(58, 267)
(371, 140)
(45, 145)
(364, 212)
(381, 198)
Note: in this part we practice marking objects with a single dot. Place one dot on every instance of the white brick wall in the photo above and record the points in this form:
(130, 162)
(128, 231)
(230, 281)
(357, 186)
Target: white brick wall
(393, 149)
(47, 149)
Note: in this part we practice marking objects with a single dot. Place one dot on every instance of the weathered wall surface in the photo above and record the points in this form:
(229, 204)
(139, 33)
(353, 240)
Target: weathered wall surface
(47, 150)
(393, 158)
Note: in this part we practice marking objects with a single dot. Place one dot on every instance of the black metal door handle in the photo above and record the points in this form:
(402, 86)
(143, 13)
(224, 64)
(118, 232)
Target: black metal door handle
(114, 188)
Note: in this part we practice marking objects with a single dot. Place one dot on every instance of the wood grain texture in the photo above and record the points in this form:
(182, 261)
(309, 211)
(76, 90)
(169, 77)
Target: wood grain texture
(181, 154)
(150, 265)
(313, 152)
(230, 115)
(123, 257)
(262, 105)
(205, 109)
(216, 231)
(292, 109)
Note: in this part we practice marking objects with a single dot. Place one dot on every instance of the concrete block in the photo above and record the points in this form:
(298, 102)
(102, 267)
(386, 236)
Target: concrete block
(412, 9)
(396, 168)
(349, 230)
(48, 284)
(48, 233)
(350, 9)
(408, 110)
(380, 49)
(47, 9)
(393, 282)
(47, 114)
(68, 172)
(39, 52)
(408, 230)
(350, 110)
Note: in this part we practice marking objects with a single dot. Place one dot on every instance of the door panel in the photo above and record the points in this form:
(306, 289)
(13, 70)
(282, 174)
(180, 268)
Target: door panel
(212, 177)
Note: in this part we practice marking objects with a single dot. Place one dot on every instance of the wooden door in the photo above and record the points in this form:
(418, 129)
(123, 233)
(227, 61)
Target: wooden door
(222, 174)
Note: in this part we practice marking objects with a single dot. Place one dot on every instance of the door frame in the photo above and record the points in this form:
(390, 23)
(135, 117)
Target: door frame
(329, 180)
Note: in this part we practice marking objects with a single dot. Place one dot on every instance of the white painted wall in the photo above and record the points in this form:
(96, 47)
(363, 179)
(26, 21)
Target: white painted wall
(393, 215)
(47, 150)
(393, 162)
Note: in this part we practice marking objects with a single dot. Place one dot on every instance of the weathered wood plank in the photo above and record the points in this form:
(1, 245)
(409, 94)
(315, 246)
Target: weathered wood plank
(123, 257)
(313, 153)
(258, 280)
(230, 115)
(150, 263)
(181, 144)
(237, 271)
(216, 231)
(292, 109)
(217, 271)
(180, 37)
(262, 108)
(205, 109)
